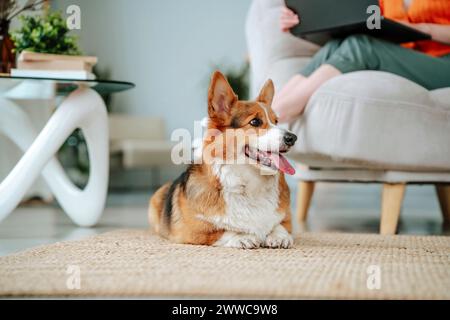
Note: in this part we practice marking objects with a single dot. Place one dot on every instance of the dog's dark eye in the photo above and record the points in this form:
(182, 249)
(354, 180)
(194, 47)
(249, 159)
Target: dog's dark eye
(276, 121)
(256, 122)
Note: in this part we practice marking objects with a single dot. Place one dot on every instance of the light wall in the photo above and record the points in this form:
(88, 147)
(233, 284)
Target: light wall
(166, 47)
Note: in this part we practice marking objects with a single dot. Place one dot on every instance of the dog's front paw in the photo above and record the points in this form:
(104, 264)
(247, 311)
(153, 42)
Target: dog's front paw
(279, 238)
(238, 240)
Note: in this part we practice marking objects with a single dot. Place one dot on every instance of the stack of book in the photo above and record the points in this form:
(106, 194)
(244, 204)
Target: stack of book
(55, 66)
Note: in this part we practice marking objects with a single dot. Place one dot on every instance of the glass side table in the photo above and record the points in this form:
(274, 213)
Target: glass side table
(81, 107)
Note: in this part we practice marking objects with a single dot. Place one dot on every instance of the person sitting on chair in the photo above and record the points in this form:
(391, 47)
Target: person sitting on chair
(425, 62)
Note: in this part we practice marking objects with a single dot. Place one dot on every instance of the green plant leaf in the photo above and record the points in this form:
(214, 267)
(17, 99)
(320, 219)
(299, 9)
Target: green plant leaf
(47, 34)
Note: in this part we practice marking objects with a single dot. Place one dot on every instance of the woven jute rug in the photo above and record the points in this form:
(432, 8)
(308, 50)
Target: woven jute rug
(138, 263)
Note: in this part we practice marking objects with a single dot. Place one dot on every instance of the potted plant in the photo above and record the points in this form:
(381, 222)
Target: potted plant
(46, 33)
(9, 9)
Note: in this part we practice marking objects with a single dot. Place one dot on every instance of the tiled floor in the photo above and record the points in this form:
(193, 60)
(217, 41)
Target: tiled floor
(335, 207)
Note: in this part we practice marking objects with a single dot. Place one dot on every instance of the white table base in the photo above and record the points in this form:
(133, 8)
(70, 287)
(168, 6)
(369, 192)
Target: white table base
(83, 109)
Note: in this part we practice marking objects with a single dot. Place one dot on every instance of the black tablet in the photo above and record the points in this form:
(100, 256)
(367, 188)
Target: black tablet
(321, 20)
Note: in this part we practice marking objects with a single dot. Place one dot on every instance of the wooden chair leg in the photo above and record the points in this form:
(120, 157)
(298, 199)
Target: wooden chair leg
(443, 193)
(304, 195)
(391, 205)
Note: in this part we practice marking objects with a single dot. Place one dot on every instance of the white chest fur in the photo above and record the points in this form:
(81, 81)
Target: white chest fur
(251, 200)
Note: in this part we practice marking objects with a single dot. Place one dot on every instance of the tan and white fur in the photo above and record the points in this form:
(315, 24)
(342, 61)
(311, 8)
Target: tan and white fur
(230, 203)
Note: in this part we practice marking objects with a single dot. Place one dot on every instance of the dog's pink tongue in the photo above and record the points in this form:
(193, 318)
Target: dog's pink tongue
(282, 164)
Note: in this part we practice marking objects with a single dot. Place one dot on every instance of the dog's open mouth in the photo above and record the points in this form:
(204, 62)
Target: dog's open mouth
(274, 160)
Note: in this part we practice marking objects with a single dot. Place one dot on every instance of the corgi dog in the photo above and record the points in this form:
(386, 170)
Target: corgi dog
(237, 196)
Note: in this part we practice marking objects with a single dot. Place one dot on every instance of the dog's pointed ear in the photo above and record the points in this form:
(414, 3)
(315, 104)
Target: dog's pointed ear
(220, 97)
(266, 93)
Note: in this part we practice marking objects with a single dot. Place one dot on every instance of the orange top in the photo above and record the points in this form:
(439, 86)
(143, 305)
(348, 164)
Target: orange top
(420, 11)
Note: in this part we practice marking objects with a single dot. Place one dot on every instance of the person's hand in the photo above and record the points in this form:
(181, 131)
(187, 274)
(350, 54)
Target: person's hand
(288, 19)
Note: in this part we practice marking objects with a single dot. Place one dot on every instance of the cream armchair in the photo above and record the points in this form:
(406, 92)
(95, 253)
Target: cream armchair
(364, 126)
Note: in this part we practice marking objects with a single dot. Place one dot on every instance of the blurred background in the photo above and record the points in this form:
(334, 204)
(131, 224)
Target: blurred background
(167, 48)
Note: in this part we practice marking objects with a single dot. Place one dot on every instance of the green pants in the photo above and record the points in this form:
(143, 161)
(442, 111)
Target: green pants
(361, 52)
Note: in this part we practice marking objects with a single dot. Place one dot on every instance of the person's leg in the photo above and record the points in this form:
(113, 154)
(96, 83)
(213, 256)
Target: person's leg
(362, 52)
(293, 103)
(280, 96)
(325, 53)
(292, 83)
(288, 92)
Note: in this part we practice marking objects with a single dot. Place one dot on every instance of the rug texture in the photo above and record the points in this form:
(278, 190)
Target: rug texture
(138, 263)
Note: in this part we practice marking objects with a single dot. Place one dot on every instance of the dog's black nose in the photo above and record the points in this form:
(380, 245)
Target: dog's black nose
(289, 139)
